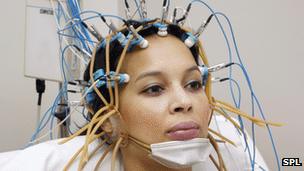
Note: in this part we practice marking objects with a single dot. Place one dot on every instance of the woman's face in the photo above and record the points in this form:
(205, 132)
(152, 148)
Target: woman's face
(164, 99)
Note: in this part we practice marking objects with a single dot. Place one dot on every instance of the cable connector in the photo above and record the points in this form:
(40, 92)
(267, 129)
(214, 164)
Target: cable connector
(84, 52)
(217, 79)
(111, 26)
(162, 27)
(174, 15)
(218, 67)
(118, 36)
(182, 20)
(203, 26)
(93, 31)
(112, 76)
(143, 9)
(143, 43)
(127, 10)
(192, 39)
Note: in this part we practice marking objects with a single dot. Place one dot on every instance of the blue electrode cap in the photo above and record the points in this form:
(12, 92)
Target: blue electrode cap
(191, 40)
(162, 29)
(204, 72)
(98, 74)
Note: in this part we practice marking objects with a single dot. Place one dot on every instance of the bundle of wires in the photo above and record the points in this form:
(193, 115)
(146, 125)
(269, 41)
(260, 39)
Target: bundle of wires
(81, 44)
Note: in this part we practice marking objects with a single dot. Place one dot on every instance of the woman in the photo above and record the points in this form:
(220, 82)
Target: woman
(151, 106)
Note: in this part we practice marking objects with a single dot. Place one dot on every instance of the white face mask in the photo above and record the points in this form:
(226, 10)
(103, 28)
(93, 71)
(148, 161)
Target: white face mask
(181, 154)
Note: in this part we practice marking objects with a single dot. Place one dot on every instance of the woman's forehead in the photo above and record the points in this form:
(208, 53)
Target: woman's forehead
(161, 53)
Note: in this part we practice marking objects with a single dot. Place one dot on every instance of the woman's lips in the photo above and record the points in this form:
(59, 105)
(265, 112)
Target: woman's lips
(184, 131)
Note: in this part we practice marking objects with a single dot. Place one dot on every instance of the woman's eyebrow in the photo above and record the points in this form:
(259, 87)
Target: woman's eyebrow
(156, 73)
(193, 68)
(148, 74)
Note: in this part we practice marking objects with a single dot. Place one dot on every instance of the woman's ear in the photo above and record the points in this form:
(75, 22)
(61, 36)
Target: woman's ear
(107, 127)
(114, 126)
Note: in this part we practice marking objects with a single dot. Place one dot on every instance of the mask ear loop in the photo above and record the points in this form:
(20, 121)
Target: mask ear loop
(142, 145)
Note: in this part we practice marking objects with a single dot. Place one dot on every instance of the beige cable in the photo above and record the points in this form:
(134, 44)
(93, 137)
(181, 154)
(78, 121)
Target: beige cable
(92, 79)
(100, 122)
(91, 136)
(123, 54)
(214, 162)
(232, 109)
(228, 118)
(115, 153)
(107, 150)
(221, 136)
(68, 165)
(83, 162)
(109, 82)
(80, 131)
(94, 120)
(222, 166)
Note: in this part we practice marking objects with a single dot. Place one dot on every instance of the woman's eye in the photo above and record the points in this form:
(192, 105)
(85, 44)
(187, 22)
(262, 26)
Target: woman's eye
(153, 90)
(194, 85)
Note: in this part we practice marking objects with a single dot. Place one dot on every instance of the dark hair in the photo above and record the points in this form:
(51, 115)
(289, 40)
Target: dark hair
(116, 49)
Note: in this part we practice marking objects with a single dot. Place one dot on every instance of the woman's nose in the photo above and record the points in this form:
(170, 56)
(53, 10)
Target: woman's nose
(180, 102)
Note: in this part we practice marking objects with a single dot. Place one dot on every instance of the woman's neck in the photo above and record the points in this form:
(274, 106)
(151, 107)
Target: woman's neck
(134, 158)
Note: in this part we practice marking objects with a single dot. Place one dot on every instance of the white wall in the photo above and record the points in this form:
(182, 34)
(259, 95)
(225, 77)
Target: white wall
(270, 38)
(18, 98)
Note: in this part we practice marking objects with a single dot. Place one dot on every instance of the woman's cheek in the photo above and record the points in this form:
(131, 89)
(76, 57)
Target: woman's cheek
(145, 119)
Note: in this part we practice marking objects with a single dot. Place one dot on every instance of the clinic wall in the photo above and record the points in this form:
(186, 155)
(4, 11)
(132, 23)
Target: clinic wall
(270, 38)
